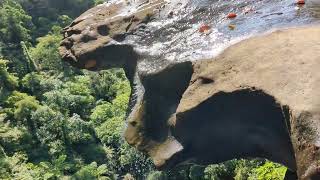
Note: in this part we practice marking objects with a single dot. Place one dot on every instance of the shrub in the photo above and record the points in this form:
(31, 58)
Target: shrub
(157, 175)
(269, 171)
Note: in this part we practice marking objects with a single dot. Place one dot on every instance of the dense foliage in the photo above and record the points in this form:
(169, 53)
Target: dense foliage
(57, 122)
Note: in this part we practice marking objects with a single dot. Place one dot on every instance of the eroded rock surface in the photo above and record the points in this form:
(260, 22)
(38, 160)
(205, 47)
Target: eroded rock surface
(259, 98)
(284, 65)
(161, 32)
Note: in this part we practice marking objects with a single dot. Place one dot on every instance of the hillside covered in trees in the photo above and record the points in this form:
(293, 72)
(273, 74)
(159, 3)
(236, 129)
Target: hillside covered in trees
(57, 122)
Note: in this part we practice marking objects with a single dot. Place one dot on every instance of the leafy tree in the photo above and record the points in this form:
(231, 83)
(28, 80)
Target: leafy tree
(108, 119)
(8, 81)
(93, 172)
(46, 52)
(39, 83)
(25, 107)
(46, 13)
(19, 168)
(15, 24)
(79, 132)
(217, 171)
(196, 172)
(78, 6)
(79, 85)
(243, 168)
(63, 21)
(14, 139)
(133, 161)
(122, 99)
(106, 84)
(67, 103)
(268, 171)
(102, 113)
(110, 131)
(56, 168)
(31, 83)
(20, 106)
(50, 129)
(4, 164)
(14, 98)
(157, 175)
(32, 65)
(73, 97)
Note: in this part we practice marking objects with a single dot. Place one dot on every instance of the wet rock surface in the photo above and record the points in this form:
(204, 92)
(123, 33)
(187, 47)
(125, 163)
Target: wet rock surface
(259, 98)
(163, 32)
(284, 65)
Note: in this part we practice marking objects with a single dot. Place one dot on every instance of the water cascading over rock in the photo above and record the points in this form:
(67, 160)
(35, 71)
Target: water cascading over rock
(258, 98)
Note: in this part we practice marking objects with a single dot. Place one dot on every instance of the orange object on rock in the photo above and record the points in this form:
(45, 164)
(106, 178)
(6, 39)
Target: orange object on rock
(301, 2)
(232, 15)
(204, 28)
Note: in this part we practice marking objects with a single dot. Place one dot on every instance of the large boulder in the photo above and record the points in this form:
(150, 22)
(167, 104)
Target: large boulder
(259, 98)
(255, 99)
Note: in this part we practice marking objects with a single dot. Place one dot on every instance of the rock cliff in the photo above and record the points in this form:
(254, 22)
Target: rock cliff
(271, 82)
(258, 98)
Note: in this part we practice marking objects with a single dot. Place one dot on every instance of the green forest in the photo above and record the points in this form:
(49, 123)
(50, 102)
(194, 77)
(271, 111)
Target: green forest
(57, 122)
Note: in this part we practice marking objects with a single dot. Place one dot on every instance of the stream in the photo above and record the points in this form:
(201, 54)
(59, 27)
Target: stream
(174, 36)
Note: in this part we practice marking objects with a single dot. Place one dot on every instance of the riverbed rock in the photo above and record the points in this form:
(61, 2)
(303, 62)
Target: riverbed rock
(283, 65)
(258, 98)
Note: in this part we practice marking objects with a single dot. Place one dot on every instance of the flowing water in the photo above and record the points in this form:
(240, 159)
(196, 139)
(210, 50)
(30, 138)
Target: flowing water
(174, 36)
